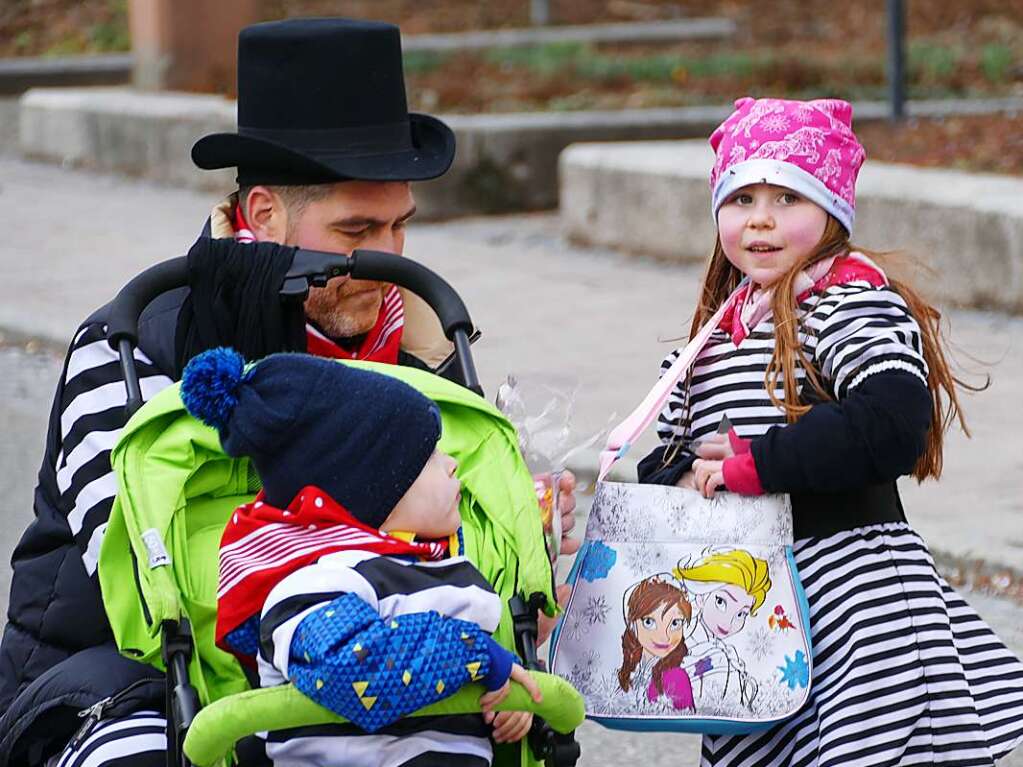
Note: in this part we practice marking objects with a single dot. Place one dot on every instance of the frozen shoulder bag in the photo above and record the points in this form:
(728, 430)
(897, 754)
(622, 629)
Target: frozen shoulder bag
(687, 613)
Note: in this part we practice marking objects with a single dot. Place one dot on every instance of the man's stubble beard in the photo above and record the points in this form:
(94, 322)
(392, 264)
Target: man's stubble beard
(326, 307)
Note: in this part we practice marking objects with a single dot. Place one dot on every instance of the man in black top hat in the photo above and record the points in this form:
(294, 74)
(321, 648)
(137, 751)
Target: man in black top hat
(325, 152)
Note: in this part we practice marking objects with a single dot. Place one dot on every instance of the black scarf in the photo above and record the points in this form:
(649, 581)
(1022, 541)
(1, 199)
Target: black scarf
(235, 301)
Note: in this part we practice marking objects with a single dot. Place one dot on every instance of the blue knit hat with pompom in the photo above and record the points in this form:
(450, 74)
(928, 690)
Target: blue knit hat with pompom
(361, 437)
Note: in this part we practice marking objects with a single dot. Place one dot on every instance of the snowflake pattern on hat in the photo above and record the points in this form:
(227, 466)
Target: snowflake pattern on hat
(808, 146)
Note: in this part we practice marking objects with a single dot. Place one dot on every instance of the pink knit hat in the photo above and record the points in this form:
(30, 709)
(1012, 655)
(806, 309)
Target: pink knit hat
(805, 146)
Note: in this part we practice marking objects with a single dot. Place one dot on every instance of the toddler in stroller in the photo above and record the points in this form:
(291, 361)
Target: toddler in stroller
(345, 575)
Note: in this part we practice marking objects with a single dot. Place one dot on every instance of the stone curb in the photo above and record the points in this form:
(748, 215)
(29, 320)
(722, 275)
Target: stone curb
(629, 32)
(17, 75)
(505, 162)
(652, 198)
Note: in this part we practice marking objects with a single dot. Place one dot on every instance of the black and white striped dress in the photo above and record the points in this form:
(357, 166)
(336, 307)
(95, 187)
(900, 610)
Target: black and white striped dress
(905, 672)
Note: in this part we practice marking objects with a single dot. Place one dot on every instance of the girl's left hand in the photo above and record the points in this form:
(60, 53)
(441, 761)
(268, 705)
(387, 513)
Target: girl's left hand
(715, 447)
(708, 476)
(510, 726)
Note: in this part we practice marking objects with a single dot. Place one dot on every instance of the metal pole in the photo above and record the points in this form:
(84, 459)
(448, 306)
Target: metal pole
(896, 58)
(539, 12)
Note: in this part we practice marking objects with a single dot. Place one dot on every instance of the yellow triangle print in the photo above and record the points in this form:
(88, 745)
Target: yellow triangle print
(473, 669)
(394, 624)
(319, 684)
(368, 702)
(357, 648)
(360, 688)
(406, 678)
(440, 686)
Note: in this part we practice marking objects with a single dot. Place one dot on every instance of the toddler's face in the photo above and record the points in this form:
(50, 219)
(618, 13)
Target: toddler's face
(429, 507)
(765, 230)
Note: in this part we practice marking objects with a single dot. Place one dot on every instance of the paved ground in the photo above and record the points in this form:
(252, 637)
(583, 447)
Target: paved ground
(544, 307)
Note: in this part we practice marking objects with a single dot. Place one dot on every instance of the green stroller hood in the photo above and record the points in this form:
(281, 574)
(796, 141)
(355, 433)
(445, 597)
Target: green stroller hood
(176, 489)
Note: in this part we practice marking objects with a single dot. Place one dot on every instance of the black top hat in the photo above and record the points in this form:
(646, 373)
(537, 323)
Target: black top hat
(322, 100)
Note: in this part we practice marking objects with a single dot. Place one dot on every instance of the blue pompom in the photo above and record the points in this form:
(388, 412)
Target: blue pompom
(209, 386)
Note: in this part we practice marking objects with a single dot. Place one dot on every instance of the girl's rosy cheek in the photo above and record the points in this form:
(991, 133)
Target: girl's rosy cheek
(729, 232)
(805, 229)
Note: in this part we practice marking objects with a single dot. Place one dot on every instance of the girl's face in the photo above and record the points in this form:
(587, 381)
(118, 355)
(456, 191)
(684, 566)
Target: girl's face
(724, 611)
(661, 631)
(765, 230)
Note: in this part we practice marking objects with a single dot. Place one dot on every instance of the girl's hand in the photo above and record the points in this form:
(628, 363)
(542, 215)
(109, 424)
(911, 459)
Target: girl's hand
(509, 726)
(518, 674)
(708, 476)
(715, 447)
(687, 480)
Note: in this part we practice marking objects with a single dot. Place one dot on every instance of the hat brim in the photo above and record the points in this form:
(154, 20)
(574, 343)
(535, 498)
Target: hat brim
(431, 154)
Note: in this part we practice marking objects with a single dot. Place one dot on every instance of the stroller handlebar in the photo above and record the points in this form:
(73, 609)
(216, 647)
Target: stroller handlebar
(223, 723)
(308, 268)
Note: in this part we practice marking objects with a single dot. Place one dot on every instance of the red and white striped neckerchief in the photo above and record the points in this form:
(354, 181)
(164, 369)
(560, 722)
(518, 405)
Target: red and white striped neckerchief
(262, 545)
(381, 344)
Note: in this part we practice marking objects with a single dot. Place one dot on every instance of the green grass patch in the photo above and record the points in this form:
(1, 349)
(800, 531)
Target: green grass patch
(996, 61)
(588, 62)
(931, 61)
(423, 62)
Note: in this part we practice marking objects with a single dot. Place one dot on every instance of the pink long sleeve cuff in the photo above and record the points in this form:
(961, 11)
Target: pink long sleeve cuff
(741, 476)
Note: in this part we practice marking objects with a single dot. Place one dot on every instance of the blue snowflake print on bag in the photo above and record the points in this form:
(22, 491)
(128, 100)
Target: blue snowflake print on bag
(600, 558)
(795, 671)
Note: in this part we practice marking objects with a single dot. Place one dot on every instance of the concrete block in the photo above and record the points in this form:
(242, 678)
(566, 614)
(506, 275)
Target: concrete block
(509, 162)
(504, 162)
(125, 131)
(9, 115)
(653, 198)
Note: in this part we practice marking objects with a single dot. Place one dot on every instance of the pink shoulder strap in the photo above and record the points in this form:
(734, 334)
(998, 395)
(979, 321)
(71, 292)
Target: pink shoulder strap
(624, 434)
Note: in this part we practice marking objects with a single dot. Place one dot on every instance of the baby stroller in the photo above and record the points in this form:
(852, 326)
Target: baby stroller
(159, 559)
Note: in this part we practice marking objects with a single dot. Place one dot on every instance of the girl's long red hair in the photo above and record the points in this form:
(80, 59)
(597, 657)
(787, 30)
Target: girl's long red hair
(722, 278)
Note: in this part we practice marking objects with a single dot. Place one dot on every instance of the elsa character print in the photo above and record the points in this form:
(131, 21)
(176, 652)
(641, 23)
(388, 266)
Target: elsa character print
(727, 587)
(656, 615)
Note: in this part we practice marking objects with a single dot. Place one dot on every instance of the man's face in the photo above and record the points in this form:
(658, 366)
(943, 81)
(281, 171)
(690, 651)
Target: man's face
(355, 214)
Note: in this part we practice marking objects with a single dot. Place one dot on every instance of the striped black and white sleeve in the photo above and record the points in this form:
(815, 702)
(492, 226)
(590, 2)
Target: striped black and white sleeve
(864, 330)
(91, 399)
(670, 426)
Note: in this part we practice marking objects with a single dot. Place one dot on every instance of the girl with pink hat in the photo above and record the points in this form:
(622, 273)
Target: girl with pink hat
(833, 380)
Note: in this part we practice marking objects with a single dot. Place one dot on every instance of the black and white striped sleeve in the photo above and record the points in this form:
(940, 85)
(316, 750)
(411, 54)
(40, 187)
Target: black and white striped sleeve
(300, 594)
(864, 330)
(92, 398)
(670, 426)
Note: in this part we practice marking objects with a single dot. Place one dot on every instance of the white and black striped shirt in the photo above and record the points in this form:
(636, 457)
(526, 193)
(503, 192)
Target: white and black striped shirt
(849, 333)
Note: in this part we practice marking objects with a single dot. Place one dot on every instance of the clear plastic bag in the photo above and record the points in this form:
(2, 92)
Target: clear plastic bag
(541, 410)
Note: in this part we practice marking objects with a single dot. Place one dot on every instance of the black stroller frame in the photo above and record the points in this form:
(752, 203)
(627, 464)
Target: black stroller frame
(312, 268)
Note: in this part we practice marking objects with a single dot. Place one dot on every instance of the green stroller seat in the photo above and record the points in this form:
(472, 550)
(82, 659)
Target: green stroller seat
(158, 568)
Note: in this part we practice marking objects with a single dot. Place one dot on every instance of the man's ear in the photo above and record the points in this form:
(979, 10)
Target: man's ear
(266, 214)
